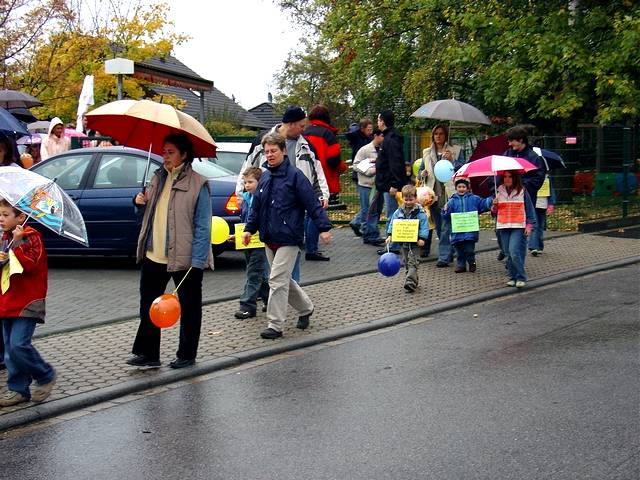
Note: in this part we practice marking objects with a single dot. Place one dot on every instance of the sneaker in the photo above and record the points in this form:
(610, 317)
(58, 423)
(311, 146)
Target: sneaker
(356, 230)
(264, 307)
(472, 266)
(441, 264)
(501, 256)
(41, 391)
(243, 314)
(460, 269)
(182, 362)
(12, 398)
(535, 252)
(315, 257)
(303, 321)
(511, 283)
(410, 287)
(520, 284)
(142, 361)
(270, 334)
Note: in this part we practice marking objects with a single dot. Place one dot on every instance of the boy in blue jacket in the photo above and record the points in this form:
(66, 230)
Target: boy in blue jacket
(410, 210)
(257, 266)
(464, 239)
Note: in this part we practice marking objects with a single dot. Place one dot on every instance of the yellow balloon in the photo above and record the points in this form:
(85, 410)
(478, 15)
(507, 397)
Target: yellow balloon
(416, 167)
(219, 230)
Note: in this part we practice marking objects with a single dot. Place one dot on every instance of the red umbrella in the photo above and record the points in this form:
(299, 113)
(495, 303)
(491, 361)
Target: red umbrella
(494, 164)
(490, 146)
(143, 124)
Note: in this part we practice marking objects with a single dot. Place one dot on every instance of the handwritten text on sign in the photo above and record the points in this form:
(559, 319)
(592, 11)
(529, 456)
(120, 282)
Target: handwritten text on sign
(255, 239)
(405, 230)
(465, 222)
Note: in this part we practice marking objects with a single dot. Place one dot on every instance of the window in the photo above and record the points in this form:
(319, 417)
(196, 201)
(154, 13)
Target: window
(67, 170)
(120, 171)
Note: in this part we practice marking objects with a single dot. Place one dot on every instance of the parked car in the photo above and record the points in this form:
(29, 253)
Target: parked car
(103, 182)
(231, 155)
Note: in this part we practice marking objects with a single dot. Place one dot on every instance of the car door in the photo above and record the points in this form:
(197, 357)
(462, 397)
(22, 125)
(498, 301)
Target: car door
(107, 203)
(70, 171)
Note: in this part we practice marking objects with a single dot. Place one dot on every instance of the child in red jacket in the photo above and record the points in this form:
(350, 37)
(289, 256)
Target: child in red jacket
(22, 306)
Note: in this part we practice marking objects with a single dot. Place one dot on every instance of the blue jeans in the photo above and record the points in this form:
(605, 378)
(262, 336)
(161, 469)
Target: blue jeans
(23, 361)
(311, 236)
(391, 205)
(370, 232)
(257, 279)
(514, 243)
(443, 230)
(536, 241)
(361, 216)
(466, 251)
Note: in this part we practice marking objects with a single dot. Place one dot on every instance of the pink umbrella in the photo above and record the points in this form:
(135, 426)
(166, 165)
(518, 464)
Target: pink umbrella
(70, 132)
(493, 165)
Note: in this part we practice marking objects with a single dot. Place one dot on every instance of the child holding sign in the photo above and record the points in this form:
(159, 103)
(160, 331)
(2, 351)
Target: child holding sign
(257, 266)
(409, 226)
(462, 210)
(515, 220)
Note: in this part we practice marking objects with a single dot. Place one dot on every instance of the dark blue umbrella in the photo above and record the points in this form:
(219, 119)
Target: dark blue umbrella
(10, 125)
(552, 159)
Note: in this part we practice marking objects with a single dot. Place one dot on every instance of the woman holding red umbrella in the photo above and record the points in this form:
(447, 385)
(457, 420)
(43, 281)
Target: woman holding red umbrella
(174, 242)
(515, 219)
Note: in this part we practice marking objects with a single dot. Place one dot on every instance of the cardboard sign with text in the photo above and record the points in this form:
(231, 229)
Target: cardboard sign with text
(405, 230)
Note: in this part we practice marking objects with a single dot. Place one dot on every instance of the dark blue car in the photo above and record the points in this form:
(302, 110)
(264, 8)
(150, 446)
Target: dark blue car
(103, 182)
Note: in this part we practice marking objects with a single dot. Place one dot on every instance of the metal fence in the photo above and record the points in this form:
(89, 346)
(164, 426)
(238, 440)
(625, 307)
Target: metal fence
(600, 180)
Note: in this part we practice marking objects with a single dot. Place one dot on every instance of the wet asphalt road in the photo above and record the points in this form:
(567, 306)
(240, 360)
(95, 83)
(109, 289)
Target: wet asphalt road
(543, 384)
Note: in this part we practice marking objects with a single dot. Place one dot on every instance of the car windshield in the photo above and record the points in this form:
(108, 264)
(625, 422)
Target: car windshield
(208, 169)
(230, 160)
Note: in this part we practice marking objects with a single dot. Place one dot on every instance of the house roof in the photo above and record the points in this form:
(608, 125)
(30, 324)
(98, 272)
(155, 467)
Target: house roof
(169, 76)
(266, 112)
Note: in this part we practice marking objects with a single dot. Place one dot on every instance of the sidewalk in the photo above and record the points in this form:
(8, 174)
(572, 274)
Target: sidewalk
(90, 362)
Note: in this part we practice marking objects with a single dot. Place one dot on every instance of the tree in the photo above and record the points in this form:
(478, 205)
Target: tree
(55, 70)
(553, 62)
(23, 23)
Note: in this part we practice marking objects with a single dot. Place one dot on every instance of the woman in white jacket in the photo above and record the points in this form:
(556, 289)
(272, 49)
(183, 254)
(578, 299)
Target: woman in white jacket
(55, 142)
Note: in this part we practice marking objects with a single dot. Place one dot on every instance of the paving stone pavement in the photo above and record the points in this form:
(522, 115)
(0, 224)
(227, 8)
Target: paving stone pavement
(88, 291)
(93, 358)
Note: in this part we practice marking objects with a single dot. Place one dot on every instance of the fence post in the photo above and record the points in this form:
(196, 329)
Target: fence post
(626, 162)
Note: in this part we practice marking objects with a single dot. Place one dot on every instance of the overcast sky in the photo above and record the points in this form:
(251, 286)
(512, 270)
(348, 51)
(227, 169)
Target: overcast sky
(239, 44)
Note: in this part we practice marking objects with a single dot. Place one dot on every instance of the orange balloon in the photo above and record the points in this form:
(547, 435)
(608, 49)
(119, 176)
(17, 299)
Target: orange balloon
(165, 310)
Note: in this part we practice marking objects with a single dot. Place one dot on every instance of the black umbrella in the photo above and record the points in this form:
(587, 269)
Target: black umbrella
(552, 159)
(22, 114)
(16, 99)
(11, 125)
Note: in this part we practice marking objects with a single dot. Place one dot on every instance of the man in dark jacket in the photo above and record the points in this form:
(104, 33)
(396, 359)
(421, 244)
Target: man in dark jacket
(519, 147)
(390, 166)
(283, 196)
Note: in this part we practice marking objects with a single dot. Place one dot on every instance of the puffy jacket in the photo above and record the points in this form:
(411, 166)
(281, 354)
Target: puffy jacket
(466, 203)
(305, 160)
(417, 212)
(28, 290)
(278, 209)
(390, 168)
(323, 138)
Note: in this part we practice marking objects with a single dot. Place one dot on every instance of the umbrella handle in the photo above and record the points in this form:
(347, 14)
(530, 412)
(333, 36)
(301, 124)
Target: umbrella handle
(6, 249)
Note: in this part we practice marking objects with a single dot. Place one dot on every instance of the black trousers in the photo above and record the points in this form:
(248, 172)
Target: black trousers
(153, 282)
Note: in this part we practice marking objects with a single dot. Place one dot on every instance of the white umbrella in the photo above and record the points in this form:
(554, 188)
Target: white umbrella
(85, 100)
(41, 126)
(452, 110)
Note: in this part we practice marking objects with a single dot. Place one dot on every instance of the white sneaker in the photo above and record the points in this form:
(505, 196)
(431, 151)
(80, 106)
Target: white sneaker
(520, 284)
(511, 283)
(12, 398)
(535, 252)
(41, 392)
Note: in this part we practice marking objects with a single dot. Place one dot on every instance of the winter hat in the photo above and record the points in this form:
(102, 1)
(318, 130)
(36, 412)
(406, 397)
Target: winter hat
(293, 114)
(462, 180)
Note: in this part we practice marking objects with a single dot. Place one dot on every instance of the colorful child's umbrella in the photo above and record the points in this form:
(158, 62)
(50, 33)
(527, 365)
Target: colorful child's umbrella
(44, 201)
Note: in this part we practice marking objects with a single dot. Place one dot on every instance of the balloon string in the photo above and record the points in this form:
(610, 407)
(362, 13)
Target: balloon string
(185, 276)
